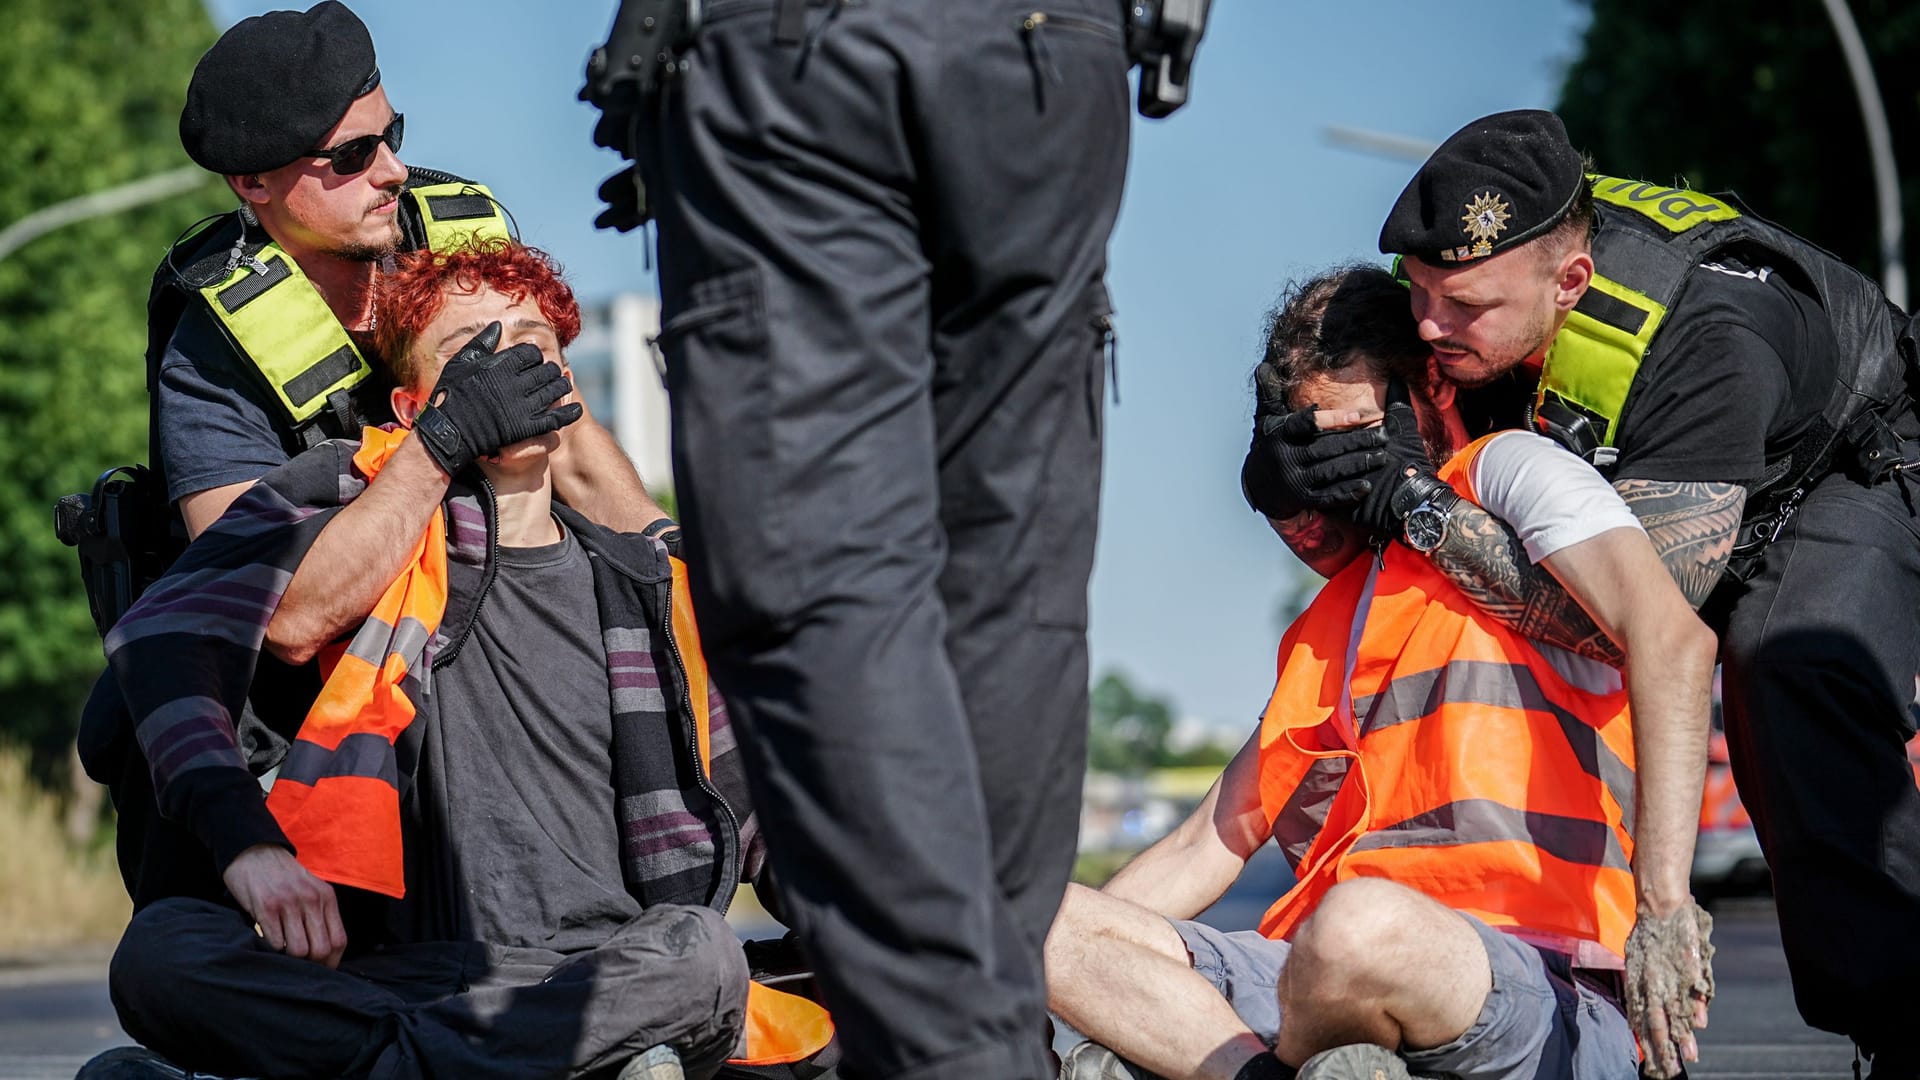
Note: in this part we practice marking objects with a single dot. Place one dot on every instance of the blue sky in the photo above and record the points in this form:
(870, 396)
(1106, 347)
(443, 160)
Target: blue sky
(1227, 201)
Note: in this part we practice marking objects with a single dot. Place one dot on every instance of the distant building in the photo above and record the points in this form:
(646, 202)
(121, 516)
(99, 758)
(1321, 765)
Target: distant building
(619, 373)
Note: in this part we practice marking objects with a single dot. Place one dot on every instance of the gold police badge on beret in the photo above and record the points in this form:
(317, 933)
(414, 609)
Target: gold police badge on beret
(1485, 219)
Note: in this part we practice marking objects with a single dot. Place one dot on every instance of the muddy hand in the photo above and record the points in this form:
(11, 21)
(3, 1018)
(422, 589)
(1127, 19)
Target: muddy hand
(1669, 984)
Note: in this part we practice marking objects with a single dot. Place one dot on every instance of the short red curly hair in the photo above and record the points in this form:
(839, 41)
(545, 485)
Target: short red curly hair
(406, 299)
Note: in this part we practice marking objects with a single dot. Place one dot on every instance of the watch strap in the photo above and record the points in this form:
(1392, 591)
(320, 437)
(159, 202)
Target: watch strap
(1422, 489)
(442, 438)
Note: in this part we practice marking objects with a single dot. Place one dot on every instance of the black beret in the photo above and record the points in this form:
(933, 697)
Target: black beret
(1500, 181)
(273, 86)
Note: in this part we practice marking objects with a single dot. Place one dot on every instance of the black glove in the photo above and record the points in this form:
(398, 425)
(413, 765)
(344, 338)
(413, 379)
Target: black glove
(1405, 476)
(628, 207)
(487, 400)
(1293, 465)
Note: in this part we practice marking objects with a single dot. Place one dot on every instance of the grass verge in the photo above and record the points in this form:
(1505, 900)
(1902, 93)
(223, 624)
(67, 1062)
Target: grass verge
(51, 895)
(1093, 868)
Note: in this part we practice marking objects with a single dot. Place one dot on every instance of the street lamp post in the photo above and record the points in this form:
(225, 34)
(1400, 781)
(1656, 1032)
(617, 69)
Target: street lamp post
(1886, 181)
(99, 204)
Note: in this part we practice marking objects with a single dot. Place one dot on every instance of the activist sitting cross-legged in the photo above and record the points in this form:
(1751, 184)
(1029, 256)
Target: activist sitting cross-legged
(504, 836)
(1460, 804)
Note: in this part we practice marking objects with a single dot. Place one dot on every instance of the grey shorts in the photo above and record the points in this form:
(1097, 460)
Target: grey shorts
(1539, 1023)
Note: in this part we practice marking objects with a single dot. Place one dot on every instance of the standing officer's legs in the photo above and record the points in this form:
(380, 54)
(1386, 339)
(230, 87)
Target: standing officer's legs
(1017, 232)
(839, 359)
(1821, 656)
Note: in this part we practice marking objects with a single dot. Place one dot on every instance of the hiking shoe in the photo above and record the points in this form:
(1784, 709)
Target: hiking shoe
(1091, 1061)
(1358, 1061)
(659, 1063)
(135, 1063)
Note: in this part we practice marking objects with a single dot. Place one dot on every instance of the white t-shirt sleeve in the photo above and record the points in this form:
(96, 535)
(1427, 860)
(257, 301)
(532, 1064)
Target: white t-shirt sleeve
(1552, 499)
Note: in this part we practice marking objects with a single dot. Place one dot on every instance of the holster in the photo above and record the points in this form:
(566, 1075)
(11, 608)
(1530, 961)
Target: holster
(640, 53)
(126, 537)
(624, 78)
(1162, 37)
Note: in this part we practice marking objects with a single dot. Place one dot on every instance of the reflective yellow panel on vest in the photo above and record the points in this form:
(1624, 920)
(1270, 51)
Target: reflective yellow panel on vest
(455, 214)
(1594, 358)
(279, 320)
(1674, 209)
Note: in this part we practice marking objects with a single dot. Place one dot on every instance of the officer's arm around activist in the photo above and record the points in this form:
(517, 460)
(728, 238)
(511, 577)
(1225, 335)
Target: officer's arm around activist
(1685, 460)
(1752, 396)
(273, 326)
(1614, 573)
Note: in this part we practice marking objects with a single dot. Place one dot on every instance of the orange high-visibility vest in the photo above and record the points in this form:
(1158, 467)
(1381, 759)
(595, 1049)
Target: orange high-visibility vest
(337, 797)
(1477, 774)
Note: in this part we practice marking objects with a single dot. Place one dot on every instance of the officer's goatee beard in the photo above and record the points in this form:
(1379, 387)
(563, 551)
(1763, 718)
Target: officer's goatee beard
(379, 250)
(369, 253)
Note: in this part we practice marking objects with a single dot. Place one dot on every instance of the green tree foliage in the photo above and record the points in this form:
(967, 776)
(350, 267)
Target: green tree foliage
(1207, 755)
(1752, 99)
(91, 93)
(1128, 732)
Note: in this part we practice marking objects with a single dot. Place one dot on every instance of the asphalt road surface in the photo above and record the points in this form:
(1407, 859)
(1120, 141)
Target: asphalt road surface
(55, 1016)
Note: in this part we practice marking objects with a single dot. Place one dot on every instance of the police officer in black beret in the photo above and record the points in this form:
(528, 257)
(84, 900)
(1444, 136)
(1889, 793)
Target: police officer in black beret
(260, 339)
(1750, 397)
(288, 107)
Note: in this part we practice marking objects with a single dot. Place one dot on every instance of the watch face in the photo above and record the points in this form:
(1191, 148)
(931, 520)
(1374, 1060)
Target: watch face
(1426, 527)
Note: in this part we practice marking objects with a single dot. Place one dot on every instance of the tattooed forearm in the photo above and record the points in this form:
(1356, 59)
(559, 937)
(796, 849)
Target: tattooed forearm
(1325, 544)
(1692, 526)
(1486, 561)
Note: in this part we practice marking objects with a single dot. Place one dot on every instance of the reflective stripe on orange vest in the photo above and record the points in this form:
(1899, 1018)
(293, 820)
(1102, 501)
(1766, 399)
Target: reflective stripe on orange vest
(1470, 769)
(337, 797)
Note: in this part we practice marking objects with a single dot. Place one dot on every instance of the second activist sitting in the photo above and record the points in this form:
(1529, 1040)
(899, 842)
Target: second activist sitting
(517, 762)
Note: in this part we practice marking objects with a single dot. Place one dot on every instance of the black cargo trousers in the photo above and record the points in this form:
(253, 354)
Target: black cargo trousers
(882, 246)
(1822, 669)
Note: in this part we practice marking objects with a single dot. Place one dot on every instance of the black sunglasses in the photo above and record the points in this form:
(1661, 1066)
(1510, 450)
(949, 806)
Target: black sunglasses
(355, 155)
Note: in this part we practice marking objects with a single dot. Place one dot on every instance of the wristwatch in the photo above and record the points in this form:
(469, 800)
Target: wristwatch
(1429, 503)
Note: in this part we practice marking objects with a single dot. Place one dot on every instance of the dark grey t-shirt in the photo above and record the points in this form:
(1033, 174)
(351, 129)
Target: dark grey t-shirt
(218, 420)
(514, 834)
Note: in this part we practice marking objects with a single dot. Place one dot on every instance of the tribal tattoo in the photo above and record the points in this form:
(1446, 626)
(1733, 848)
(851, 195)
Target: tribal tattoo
(1692, 527)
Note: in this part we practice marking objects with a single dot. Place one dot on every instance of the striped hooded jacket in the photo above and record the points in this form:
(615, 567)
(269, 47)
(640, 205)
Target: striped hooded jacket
(183, 657)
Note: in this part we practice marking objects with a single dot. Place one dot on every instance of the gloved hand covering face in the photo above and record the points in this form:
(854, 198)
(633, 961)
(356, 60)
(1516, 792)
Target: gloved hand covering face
(487, 400)
(1292, 465)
